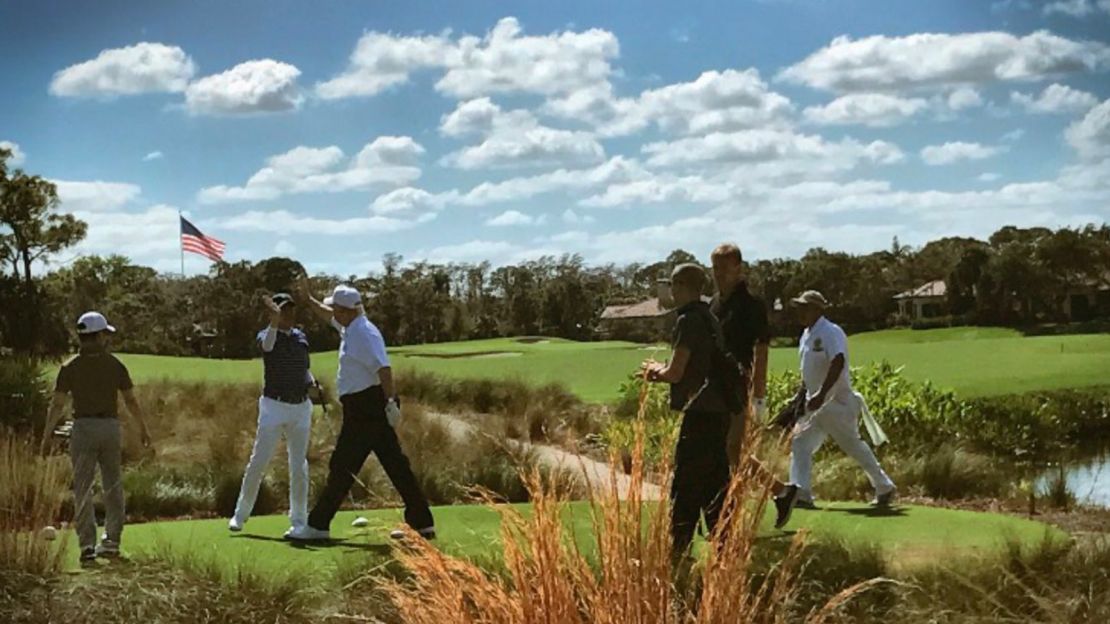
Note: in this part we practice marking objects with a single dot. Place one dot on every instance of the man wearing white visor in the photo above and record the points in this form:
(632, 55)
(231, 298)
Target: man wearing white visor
(371, 410)
(94, 379)
(832, 408)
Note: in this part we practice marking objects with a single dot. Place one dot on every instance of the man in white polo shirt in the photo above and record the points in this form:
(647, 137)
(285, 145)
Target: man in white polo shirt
(832, 408)
(371, 410)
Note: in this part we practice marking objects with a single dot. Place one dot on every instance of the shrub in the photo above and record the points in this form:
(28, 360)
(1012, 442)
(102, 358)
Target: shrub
(24, 392)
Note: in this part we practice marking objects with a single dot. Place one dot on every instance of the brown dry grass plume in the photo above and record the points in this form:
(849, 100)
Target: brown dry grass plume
(32, 489)
(618, 571)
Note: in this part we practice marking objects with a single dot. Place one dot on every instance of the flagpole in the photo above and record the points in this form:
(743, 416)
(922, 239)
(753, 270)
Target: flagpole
(181, 244)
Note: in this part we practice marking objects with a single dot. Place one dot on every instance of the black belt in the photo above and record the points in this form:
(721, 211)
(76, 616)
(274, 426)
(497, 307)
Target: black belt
(285, 399)
(100, 415)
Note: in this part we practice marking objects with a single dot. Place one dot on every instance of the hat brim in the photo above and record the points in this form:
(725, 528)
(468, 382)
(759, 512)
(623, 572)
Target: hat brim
(329, 301)
(107, 328)
(800, 301)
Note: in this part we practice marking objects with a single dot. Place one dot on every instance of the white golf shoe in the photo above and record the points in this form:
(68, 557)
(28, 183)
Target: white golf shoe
(307, 534)
(234, 525)
(428, 533)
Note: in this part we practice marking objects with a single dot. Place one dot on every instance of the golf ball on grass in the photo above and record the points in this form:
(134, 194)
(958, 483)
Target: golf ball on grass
(49, 533)
(360, 522)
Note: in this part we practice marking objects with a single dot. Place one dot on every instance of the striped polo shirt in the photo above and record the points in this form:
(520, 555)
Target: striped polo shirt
(286, 365)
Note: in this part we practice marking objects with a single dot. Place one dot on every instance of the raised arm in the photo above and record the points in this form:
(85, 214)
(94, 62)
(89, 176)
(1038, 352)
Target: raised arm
(318, 308)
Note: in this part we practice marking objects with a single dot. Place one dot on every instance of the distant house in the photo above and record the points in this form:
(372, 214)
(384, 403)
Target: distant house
(1086, 301)
(924, 302)
(644, 321)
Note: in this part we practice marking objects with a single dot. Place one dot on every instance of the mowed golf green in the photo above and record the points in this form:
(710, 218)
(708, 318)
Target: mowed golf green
(908, 535)
(971, 361)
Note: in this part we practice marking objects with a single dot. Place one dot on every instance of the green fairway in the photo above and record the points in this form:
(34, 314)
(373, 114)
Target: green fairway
(971, 361)
(908, 535)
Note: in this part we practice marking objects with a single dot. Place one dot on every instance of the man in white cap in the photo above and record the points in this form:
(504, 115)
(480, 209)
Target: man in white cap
(94, 378)
(832, 409)
(284, 409)
(371, 410)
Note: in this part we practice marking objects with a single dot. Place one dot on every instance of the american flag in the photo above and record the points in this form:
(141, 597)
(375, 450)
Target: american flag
(195, 242)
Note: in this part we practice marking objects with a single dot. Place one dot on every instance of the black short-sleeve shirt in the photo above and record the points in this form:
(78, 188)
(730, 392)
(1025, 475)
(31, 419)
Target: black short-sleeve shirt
(693, 330)
(94, 380)
(743, 319)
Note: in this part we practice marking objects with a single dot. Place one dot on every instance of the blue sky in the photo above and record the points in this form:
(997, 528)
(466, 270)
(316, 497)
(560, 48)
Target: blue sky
(462, 131)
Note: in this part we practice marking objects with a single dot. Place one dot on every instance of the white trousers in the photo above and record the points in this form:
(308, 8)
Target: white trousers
(838, 419)
(277, 419)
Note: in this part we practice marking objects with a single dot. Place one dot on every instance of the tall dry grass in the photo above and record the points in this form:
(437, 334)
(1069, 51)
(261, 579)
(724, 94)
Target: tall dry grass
(622, 571)
(32, 489)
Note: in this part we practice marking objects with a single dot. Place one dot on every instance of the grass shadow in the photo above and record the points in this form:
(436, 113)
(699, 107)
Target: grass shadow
(377, 549)
(874, 512)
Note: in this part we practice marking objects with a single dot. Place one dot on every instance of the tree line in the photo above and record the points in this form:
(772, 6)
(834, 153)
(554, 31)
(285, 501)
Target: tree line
(1017, 276)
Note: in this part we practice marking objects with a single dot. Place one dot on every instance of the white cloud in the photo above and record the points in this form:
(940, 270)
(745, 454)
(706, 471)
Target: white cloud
(1077, 8)
(955, 151)
(869, 109)
(18, 157)
(382, 60)
(661, 189)
(283, 221)
(385, 162)
(503, 61)
(262, 86)
(409, 201)
(515, 217)
(142, 68)
(497, 252)
(714, 101)
(285, 248)
(964, 97)
(155, 155)
(149, 236)
(1090, 136)
(478, 116)
(615, 170)
(1013, 136)
(573, 218)
(769, 146)
(989, 177)
(97, 196)
(882, 63)
(1056, 98)
(515, 139)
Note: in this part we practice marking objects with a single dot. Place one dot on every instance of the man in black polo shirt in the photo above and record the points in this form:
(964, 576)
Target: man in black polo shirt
(94, 379)
(284, 409)
(701, 470)
(747, 334)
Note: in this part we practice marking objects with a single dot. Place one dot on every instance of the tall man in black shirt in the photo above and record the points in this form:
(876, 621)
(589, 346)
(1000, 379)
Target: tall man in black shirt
(747, 334)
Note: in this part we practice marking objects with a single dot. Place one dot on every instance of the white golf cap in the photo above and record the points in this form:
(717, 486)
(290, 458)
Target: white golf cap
(345, 297)
(811, 297)
(93, 322)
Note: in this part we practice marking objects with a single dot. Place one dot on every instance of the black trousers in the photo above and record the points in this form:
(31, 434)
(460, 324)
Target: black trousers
(366, 430)
(701, 475)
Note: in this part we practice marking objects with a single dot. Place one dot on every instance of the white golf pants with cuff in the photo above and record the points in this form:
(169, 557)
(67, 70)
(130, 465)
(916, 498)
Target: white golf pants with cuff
(277, 419)
(838, 419)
